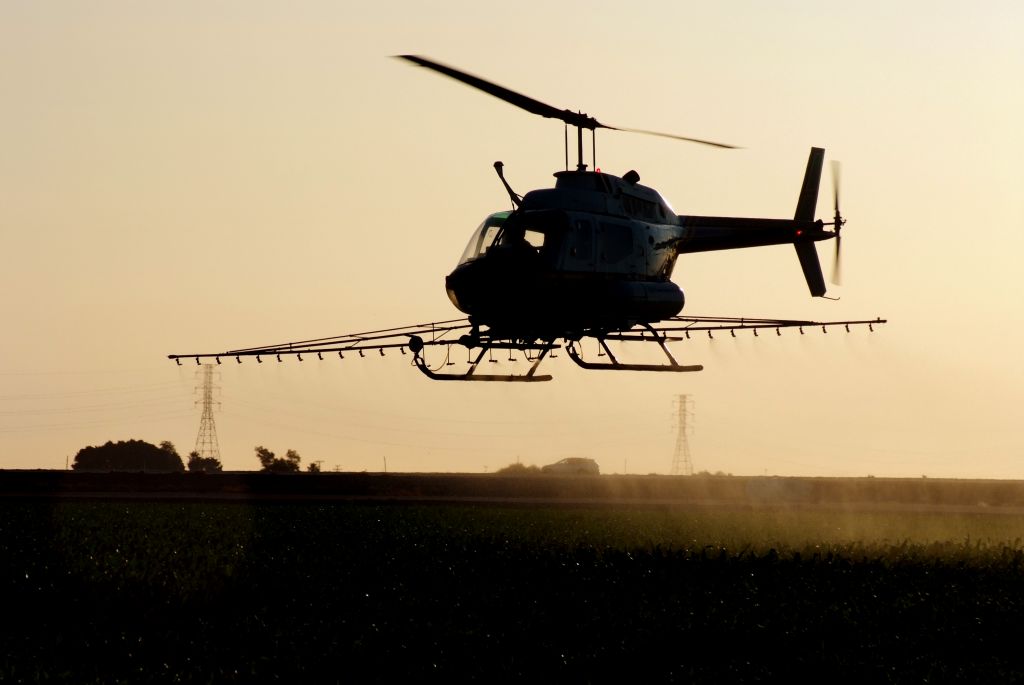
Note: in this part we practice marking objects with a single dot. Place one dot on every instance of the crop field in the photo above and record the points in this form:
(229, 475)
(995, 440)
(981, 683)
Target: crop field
(362, 592)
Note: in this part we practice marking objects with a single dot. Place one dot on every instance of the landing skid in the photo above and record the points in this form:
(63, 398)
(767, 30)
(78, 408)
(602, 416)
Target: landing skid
(471, 375)
(615, 365)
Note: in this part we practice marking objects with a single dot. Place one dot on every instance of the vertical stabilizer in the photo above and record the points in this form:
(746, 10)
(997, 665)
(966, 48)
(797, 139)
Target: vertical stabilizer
(805, 208)
(808, 202)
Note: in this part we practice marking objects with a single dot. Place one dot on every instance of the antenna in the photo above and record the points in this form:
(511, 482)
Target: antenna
(206, 441)
(681, 463)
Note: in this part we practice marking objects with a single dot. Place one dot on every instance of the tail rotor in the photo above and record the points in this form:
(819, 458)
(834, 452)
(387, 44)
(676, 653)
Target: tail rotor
(837, 224)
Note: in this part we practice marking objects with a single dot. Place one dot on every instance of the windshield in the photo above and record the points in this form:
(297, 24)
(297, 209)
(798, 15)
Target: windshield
(483, 236)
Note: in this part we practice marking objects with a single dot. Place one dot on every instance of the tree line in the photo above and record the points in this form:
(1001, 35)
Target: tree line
(139, 455)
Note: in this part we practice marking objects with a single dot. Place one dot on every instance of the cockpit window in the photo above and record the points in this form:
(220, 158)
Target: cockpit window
(483, 236)
(540, 232)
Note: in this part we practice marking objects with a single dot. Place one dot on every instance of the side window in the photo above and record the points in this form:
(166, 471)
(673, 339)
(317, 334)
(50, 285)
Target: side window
(534, 238)
(615, 243)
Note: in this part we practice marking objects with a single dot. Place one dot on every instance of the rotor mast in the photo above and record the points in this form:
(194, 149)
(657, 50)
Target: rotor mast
(580, 166)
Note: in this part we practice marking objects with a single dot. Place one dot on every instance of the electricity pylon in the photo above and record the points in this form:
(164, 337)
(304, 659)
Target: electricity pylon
(206, 441)
(681, 463)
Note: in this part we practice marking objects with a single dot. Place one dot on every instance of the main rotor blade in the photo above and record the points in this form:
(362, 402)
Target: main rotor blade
(536, 106)
(509, 96)
(674, 137)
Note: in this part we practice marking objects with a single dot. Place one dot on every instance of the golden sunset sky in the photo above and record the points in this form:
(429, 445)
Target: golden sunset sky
(196, 176)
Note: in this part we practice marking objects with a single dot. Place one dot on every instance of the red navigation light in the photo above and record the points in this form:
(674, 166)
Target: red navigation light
(597, 170)
(799, 231)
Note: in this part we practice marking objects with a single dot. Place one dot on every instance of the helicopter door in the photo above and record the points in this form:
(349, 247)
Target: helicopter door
(540, 233)
(579, 255)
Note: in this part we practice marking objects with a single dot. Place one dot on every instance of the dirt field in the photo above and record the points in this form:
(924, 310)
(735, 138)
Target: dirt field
(248, 577)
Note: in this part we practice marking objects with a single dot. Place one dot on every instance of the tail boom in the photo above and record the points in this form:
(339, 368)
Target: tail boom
(707, 233)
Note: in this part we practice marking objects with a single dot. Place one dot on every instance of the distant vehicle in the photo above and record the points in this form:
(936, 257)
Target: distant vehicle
(575, 465)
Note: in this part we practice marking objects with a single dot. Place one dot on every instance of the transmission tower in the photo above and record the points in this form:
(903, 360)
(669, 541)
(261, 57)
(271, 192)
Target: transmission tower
(681, 463)
(206, 441)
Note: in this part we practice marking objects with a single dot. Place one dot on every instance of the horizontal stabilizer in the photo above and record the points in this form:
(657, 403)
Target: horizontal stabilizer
(808, 256)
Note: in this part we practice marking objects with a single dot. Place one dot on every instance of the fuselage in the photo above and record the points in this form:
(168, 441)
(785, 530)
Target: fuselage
(593, 253)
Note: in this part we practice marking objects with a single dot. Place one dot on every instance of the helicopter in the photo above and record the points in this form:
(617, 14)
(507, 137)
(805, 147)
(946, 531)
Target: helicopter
(591, 258)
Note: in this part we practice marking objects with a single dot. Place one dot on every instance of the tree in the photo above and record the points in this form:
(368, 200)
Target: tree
(265, 456)
(274, 464)
(203, 464)
(129, 455)
(314, 467)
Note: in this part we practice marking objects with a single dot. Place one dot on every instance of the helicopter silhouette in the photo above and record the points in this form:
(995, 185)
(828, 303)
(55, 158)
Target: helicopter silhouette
(591, 258)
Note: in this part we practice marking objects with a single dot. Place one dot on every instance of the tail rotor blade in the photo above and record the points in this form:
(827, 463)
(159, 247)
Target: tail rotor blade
(837, 225)
(837, 270)
(836, 168)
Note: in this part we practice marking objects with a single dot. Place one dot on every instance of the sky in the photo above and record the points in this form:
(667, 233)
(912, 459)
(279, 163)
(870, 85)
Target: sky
(199, 176)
